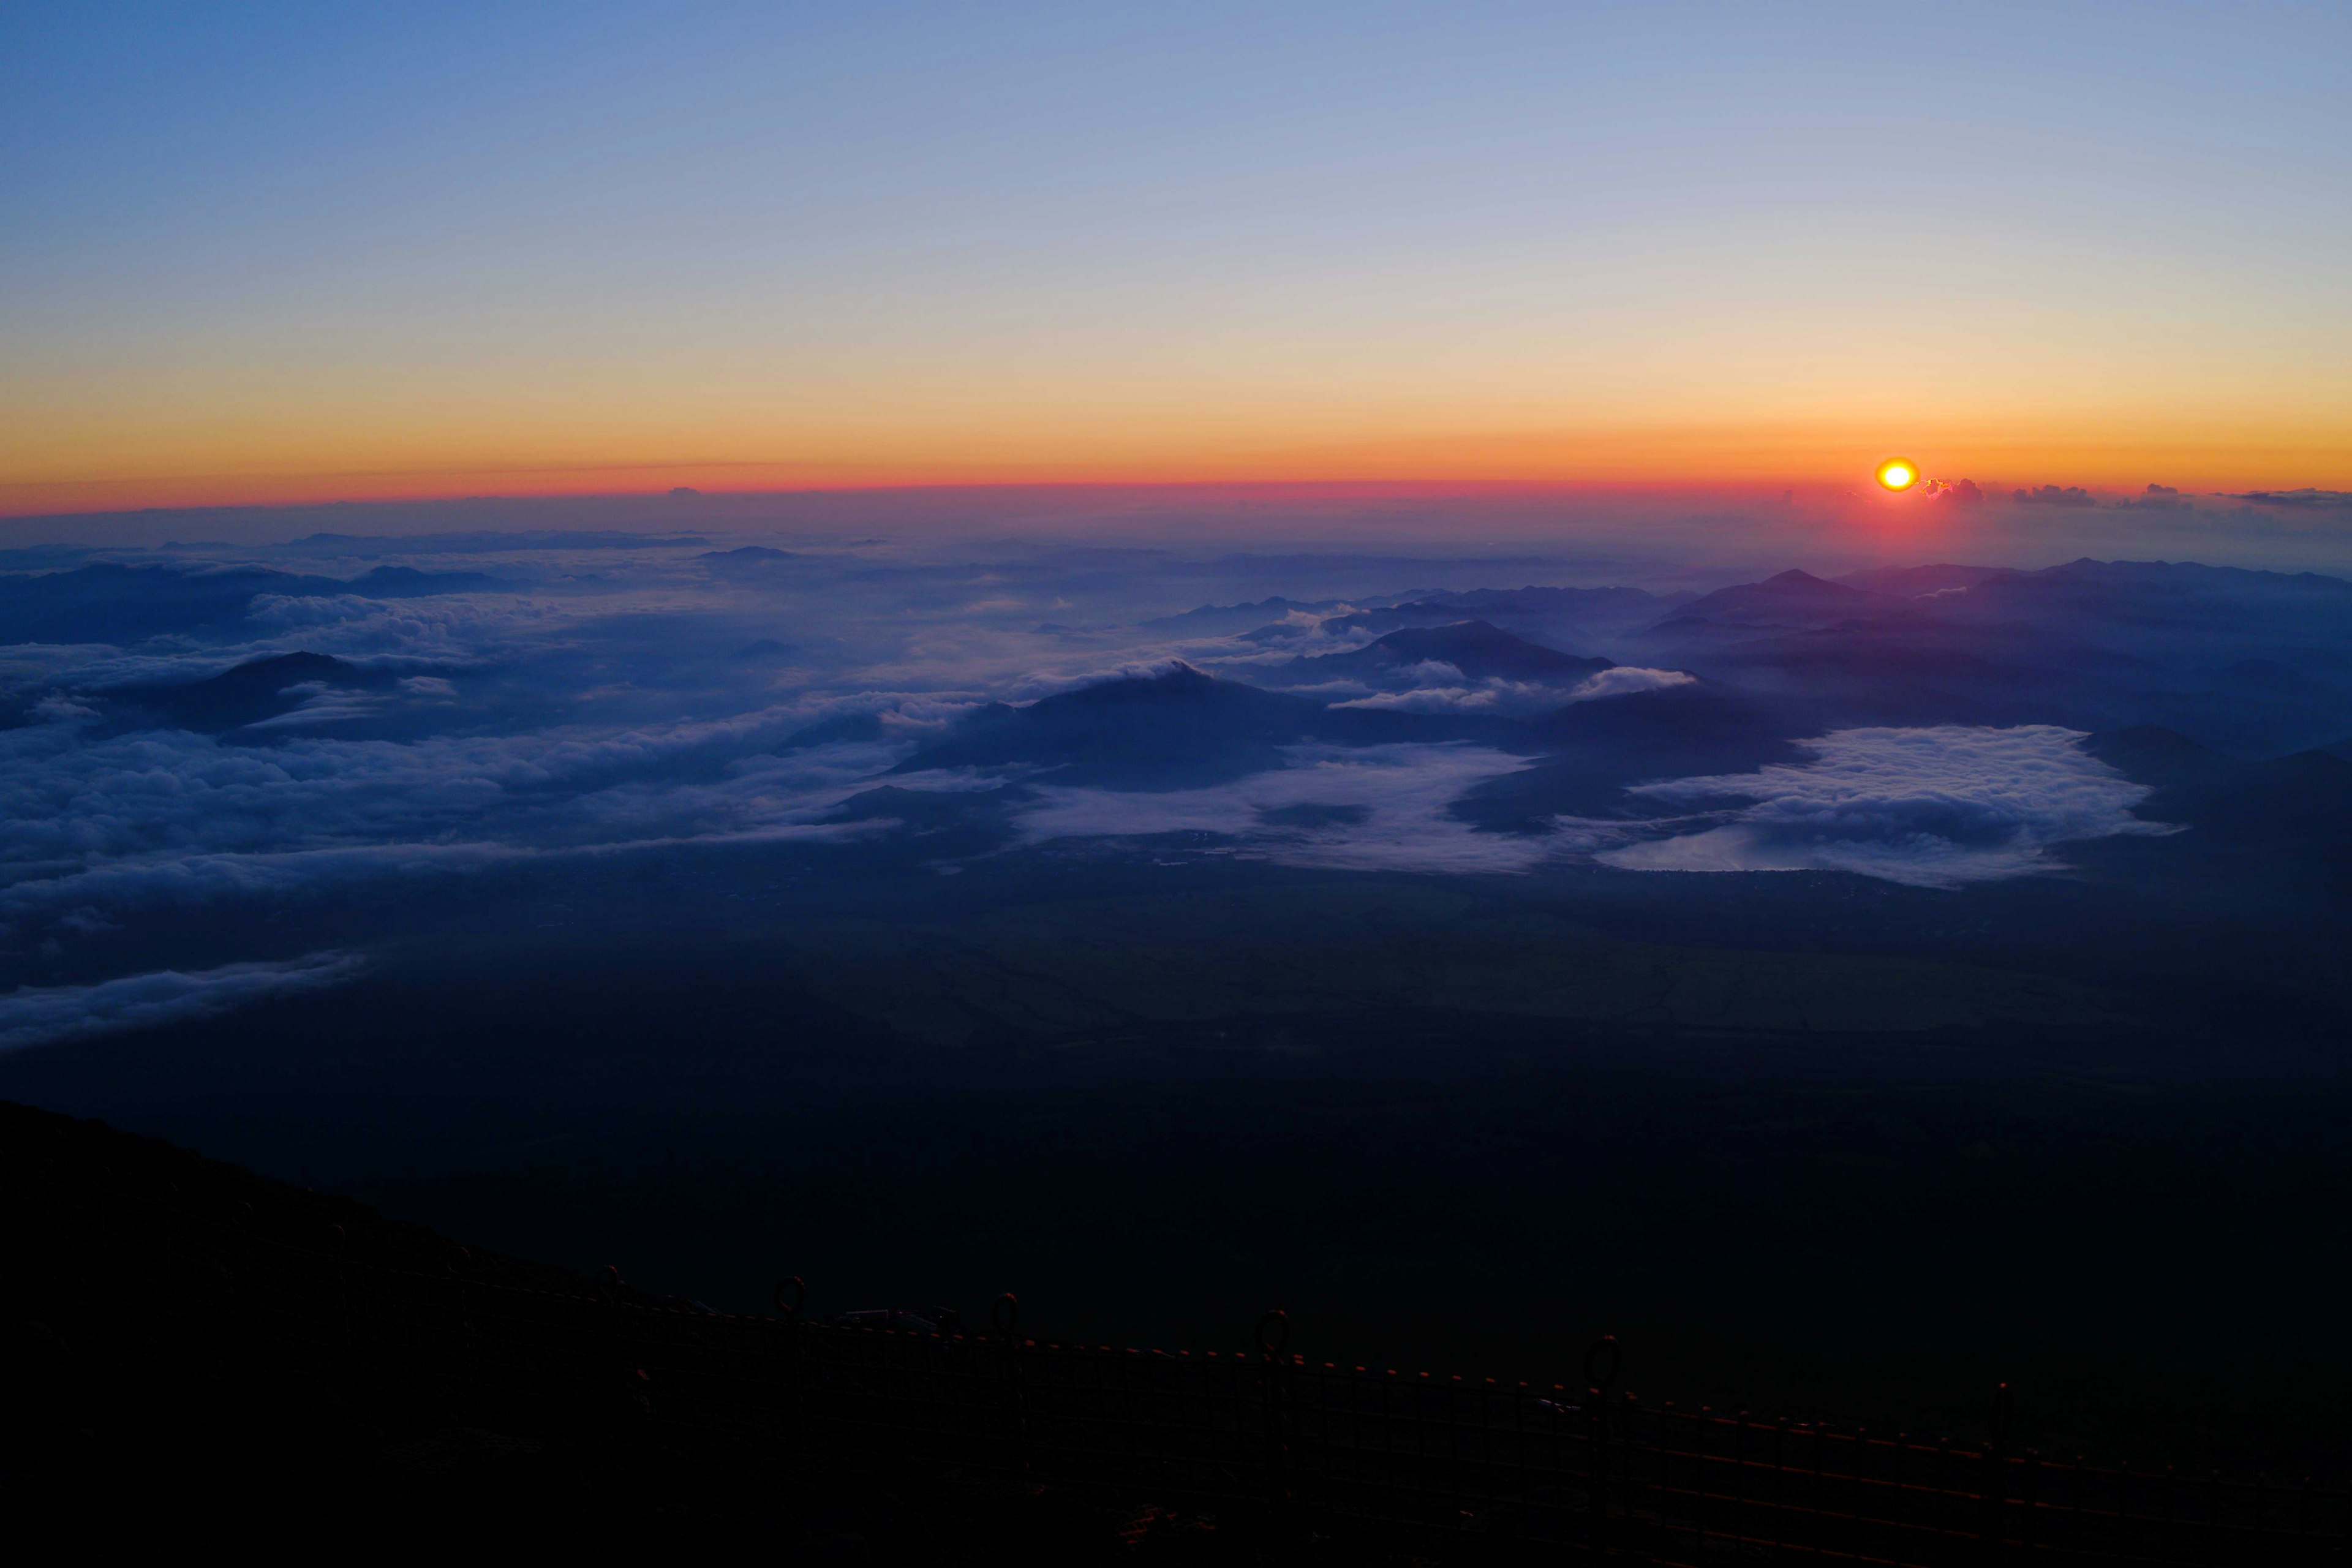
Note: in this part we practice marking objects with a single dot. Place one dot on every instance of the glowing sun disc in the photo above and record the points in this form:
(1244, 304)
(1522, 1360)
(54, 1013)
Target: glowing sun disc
(1898, 473)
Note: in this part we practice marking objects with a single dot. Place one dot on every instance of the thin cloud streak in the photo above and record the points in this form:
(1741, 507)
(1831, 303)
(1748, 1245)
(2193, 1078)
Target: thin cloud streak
(46, 1014)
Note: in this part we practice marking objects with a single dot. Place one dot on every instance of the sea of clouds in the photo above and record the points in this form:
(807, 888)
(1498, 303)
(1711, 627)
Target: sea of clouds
(602, 703)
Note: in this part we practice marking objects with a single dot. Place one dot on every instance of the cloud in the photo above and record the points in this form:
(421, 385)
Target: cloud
(1451, 692)
(41, 1014)
(1490, 695)
(2053, 495)
(2303, 499)
(2155, 498)
(1364, 809)
(1933, 807)
(1626, 679)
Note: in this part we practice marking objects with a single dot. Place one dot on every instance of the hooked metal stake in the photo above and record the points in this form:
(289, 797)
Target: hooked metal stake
(1992, 1530)
(1273, 1336)
(788, 1295)
(2004, 1413)
(1603, 1362)
(1006, 1314)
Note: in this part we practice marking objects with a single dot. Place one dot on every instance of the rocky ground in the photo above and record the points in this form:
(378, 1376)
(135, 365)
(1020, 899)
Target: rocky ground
(149, 1408)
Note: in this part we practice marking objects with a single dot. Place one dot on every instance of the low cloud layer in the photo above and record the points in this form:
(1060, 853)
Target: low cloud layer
(1442, 688)
(1933, 807)
(44, 1015)
(1362, 808)
(523, 713)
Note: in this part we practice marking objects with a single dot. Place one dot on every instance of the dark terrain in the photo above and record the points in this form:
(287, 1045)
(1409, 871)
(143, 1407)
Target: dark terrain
(1809, 1142)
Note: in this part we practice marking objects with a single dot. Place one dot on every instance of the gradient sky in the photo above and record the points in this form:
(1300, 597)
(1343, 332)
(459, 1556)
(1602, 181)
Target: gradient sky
(253, 252)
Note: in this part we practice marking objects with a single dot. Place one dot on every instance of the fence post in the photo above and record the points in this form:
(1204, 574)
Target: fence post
(1994, 1487)
(1602, 1364)
(786, 1297)
(455, 1265)
(1273, 1340)
(633, 1392)
(336, 1239)
(1007, 1316)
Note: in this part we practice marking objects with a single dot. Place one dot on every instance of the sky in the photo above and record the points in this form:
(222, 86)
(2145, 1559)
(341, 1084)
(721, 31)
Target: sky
(260, 254)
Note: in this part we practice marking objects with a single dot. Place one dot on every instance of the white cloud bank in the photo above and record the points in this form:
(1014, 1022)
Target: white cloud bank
(1933, 807)
(1443, 689)
(41, 1014)
(1358, 808)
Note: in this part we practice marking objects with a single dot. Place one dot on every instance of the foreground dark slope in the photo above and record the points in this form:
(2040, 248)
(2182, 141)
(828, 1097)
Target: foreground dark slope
(160, 1395)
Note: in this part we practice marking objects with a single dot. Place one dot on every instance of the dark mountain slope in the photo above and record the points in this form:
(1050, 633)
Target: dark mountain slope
(1210, 619)
(109, 602)
(1478, 649)
(408, 583)
(2301, 802)
(1913, 581)
(247, 693)
(1577, 614)
(1175, 731)
(1596, 748)
(1792, 601)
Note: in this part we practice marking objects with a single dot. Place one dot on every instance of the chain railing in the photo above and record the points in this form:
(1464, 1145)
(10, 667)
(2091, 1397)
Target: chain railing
(1500, 1469)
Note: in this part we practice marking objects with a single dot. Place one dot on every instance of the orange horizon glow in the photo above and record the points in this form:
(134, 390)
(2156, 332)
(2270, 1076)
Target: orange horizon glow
(1819, 463)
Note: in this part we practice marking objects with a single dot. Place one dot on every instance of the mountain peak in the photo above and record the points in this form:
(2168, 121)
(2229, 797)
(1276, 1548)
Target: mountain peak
(1479, 650)
(1177, 681)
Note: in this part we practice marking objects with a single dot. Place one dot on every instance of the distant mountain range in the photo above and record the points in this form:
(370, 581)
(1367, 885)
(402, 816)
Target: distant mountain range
(112, 603)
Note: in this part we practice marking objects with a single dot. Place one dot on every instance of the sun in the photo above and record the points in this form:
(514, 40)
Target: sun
(1898, 473)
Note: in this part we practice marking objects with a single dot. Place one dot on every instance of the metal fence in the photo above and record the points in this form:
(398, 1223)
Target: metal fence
(1445, 1465)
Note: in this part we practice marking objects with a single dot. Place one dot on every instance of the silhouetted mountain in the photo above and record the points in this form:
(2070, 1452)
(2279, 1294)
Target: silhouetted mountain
(1554, 614)
(112, 603)
(2302, 802)
(2248, 660)
(1792, 601)
(408, 583)
(1138, 731)
(479, 542)
(1211, 620)
(1595, 749)
(1169, 731)
(1480, 650)
(1914, 582)
(1554, 604)
(2157, 595)
(250, 692)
